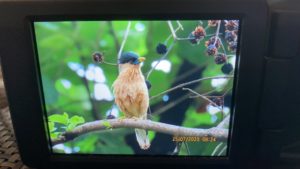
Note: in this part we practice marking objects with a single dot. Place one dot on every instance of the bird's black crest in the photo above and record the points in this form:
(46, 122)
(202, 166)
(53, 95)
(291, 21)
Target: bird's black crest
(128, 57)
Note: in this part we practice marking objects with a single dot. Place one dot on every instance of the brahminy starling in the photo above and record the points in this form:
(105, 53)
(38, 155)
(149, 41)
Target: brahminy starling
(131, 93)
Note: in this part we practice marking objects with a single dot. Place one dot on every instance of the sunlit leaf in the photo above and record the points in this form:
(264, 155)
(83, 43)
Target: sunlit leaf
(58, 118)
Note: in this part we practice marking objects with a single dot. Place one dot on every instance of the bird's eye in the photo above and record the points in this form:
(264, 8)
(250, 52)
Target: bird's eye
(135, 61)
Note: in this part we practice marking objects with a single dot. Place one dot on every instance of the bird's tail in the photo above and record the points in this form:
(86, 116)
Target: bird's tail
(142, 138)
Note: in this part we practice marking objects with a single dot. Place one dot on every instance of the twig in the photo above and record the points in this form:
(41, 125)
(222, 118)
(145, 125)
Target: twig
(179, 25)
(172, 29)
(207, 26)
(170, 105)
(203, 97)
(209, 92)
(226, 92)
(171, 46)
(177, 148)
(162, 58)
(222, 45)
(179, 39)
(170, 36)
(189, 83)
(219, 133)
(216, 149)
(187, 148)
(213, 34)
(187, 73)
(217, 32)
(108, 63)
(124, 39)
(222, 151)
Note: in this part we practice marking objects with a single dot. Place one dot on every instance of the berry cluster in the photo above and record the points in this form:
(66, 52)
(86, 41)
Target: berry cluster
(213, 23)
(232, 25)
(161, 48)
(230, 36)
(197, 35)
(232, 46)
(213, 44)
(213, 40)
(231, 29)
(220, 58)
(98, 57)
(217, 100)
(212, 50)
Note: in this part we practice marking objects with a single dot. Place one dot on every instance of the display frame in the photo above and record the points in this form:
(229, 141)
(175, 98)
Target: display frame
(19, 27)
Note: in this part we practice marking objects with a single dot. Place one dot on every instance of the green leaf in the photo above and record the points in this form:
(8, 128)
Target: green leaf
(54, 135)
(58, 118)
(151, 135)
(77, 120)
(51, 126)
(107, 124)
(66, 115)
(74, 121)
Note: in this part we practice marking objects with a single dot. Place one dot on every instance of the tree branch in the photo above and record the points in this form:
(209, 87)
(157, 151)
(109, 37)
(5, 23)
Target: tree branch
(224, 123)
(220, 134)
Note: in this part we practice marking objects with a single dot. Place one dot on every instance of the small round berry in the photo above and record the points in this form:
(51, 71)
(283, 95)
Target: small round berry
(230, 36)
(227, 68)
(232, 25)
(161, 48)
(212, 50)
(217, 100)
(192, 38)
(199, 32)
(110, 116)
(220, 58)
(212, 40)
(232, 46)
(98, 57)
(212, 23)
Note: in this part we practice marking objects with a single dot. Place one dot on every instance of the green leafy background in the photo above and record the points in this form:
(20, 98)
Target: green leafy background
(70, 97)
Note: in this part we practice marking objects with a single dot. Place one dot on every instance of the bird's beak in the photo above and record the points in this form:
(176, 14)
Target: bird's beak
(141, 59)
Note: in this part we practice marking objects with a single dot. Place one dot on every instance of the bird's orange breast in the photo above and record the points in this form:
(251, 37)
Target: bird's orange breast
(131, 93)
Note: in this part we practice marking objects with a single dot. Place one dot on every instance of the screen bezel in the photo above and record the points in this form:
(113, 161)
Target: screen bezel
(28, 74)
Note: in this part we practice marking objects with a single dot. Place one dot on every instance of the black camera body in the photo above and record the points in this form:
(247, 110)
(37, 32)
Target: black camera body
(278, 110)
(265, 124)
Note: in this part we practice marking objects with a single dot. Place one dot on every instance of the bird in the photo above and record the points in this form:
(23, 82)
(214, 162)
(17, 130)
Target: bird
(131, 93)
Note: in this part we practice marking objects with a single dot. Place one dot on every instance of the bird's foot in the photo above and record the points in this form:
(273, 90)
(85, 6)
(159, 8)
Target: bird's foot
(121, 118)
(135, 118)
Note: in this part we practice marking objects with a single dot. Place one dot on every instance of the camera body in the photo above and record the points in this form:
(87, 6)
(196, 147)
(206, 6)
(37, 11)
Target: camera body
(278, 106)
(265, 124)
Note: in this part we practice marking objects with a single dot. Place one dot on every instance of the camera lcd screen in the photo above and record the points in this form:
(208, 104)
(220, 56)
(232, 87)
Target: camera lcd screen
(140, 87)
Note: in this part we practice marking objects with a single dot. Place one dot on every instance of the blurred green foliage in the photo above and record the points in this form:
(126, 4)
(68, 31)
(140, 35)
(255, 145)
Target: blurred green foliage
(65, 49)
